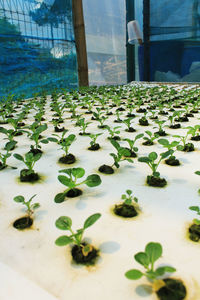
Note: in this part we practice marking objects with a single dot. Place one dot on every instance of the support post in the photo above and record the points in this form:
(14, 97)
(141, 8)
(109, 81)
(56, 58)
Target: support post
(146, 32)
(80, 42)
(130, 49)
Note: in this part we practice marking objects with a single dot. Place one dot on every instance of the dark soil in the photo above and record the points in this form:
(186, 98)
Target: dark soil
(102, 126)
(116, 138)
(163, 113)
(94, 147)
(67, 159)
(130, 129)
(58, 129)
(194, 232)
(28, 176)
(174, 289)
(161, 133)
(130, 115)
(148, 143)
(23, 223)
(189, 115)
(84, 133)
(189, 147)
(106, 169)
(21, 124)
(141, 110)
(120, 109)
(18, 133)
(74, 193)
(125, 210)
(172, 162)
(109, 114)
(35, 151)
(194, 111)
(118, 121)
(143, 122)
(182, 119)
(156, 181)
(175, 126)
(79, 258)
(154, 118)
(2, 166)
(195, 138)
(133, 154)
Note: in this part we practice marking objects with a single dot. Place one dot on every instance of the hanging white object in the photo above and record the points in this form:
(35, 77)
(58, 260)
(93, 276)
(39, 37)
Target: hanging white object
(134, 32)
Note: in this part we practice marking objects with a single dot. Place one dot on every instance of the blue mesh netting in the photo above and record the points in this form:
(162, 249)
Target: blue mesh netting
(37, 49)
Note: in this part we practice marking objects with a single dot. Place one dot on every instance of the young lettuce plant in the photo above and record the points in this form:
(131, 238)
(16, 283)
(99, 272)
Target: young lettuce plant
(154, 179)
(150, 138)
(172, 160)
(143, 121)
(127, 209)
(194, 229)
(93, 144)
(131, 143)
(82, 252)
(28, 175)
(4, 156)
(160, 131)
(173, 288)
(27, 221)
(70, 181)
(113, 132)
(65, 143)
(127, 122)
(35, 136)
(172, 121)
(83, 124)
(10, 134)
(194, 131)
(186, 147)
(122, 154)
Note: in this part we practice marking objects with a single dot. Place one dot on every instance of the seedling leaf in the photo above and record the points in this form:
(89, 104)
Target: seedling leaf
(93, 180)
(133, 274)
(91, 220)
(64, 223)
(63, 240)
(154, 251)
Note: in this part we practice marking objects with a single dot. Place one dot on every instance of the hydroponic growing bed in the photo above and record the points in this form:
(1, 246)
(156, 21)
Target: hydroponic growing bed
(144, 152)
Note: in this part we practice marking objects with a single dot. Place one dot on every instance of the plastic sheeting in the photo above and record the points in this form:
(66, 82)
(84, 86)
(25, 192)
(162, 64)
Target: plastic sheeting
(37, 49)
(106, 41)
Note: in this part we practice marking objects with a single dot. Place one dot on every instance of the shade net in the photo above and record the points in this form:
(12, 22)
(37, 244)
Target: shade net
(37, 48)
(174, 41)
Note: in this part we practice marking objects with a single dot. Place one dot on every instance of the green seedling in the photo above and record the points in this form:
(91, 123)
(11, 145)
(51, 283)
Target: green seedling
(128, 198)
(30, 207)
(198, 173)
(149, 141)
(127, 122)
(29, 159)
(73, 174)
(132, 142)
(4, 156)
(10, 134)
(185, 146)
(94, 138)
(102, 120)
(76, 238)
(171, 147)
(160, 126)
(194, 131)
(150, 160)
(113, 131)
(122, 154)
(118, 115)
(83, 124)
(97, 114)
(35, 135)
(64, 142)
(153, 251)
(197, 210)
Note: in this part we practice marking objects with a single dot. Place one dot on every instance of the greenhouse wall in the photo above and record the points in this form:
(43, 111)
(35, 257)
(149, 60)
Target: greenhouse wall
(174, 41)
(105, 24)
(37, 47)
